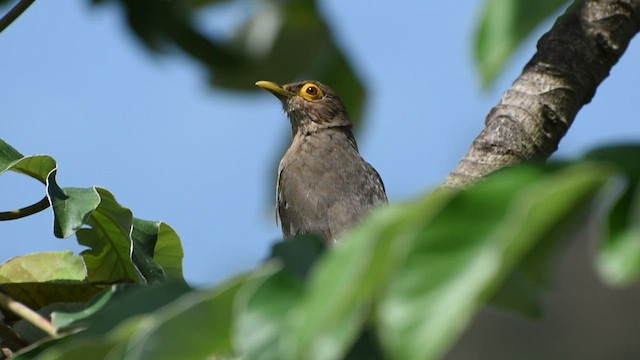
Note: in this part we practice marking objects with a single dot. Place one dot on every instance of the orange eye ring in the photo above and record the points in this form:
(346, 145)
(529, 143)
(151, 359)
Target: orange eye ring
(311, 91)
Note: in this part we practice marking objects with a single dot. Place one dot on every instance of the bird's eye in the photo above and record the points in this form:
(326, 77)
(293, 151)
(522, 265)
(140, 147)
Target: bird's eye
(311, 92)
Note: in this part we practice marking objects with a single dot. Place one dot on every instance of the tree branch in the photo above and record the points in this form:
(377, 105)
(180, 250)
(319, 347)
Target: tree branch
(573, 58)
(13, 14)
(27, 314)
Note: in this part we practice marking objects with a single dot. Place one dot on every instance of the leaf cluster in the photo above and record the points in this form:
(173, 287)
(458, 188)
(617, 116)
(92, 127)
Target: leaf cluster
(402, 285)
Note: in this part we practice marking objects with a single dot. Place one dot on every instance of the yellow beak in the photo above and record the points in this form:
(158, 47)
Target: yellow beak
(275, 89)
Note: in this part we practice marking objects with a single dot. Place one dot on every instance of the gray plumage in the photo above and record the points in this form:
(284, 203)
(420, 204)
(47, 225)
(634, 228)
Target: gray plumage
(324, 185)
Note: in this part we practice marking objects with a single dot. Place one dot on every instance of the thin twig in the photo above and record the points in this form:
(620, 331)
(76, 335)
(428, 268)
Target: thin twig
(27, 314)
(13, 14)
(25, 211)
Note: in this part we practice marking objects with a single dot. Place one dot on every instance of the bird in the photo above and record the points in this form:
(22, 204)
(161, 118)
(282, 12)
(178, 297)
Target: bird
(324, 186)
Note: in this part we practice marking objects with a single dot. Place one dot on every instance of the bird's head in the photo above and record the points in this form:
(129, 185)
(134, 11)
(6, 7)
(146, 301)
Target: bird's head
(310, 105)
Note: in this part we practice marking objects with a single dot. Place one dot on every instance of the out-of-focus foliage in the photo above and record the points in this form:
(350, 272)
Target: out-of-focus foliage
(281, 41)
(619, 256)
(403, 285)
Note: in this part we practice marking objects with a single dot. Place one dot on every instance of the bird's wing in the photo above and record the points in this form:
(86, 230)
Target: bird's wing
(362, 194)
(377, 189)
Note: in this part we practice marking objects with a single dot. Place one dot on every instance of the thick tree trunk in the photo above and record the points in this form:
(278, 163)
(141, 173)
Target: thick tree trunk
(535, 113)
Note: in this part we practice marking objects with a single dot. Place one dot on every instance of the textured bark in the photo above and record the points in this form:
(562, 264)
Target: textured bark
(573, 58)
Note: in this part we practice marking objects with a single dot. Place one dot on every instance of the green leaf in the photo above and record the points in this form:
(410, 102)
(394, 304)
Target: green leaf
(74, 347)
(41, 279)
(618, 258)
(8, 155)
(525, 286)
(265, 302)
(276, 34)
(64, 319)
(109, 240)
(128, 301)
(261, 310)
(97, 348)
(37, 166)
(157, 250)
(457, 260)
(31, 333)
(121, 248)
(158, 331)
(168, 252)
(126, 248)
(110, 320)
(42, 267)
(299, 254)
(72, 207)
(37, 295)
(503, 26)
(208, 314)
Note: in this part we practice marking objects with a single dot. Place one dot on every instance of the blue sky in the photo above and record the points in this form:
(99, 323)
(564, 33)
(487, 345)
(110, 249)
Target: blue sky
(78, 86)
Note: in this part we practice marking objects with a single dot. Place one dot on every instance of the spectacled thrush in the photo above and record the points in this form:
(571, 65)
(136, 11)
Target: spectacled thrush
(324, 185)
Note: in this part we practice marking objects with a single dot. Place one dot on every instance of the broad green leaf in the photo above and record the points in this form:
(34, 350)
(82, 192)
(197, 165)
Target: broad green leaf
(127, 301)
(110, 346)
(110, 320)
(157, 249)
(277, 30)
(618, 260)
(299, 254)
(43, 267)
(109, 242)
(168, 252)
(264, 304)
(151, 322)
(72, 207)
(37, 295)
(125, 248)
(524, 288)
(503, 26)
(366, 347)
(63, 319)
(80, 350)
(121, 248)
(459, 257)
(208, 314)
(169, 25)
(262, 307)
(338, 298)
(38, 167)
(41, 279)
(31, 333)
(144, 237)
(8, 155)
